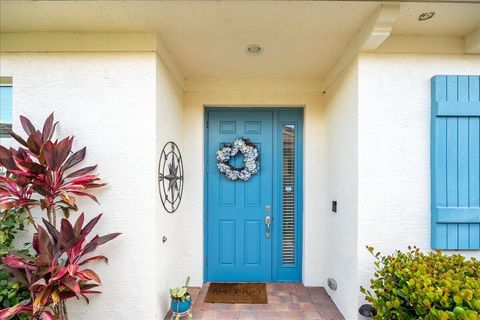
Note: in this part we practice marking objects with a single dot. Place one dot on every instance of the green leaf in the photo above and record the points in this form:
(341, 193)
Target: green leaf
(471, 315)
(458, 300)
(459, 312)
(182, 292)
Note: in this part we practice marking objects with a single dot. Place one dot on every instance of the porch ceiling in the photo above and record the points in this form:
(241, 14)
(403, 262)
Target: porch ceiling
(207, 40)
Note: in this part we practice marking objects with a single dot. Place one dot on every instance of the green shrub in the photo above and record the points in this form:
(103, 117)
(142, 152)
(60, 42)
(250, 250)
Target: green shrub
(11, 291)
(11, 221)
(415, 285)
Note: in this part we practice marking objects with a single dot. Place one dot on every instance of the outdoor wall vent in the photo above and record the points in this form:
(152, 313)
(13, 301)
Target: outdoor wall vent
(254, 50)
(426, 16)
(332, 283)
(367, 311)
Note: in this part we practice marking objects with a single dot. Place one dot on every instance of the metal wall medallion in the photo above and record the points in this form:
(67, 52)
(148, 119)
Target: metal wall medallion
(170, 177)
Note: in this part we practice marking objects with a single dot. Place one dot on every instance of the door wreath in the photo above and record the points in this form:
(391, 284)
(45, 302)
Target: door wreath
(250, 161)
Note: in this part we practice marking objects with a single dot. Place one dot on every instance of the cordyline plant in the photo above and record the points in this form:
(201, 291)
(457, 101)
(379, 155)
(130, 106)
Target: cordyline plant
(41, 174)
(57, 272)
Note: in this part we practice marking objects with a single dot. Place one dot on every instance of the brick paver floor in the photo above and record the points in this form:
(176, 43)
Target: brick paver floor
(285, 301)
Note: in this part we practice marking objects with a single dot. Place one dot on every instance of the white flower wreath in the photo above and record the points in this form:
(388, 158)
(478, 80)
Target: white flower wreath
(250, 154)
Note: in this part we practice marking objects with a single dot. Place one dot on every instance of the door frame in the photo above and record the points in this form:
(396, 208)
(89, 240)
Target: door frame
(276, 266)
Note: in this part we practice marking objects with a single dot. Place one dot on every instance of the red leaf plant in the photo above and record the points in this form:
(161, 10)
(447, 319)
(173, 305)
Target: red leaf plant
(42, 174)
(58, 271)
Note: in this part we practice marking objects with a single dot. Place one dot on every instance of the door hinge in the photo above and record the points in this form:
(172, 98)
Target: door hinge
(206, 168)
(206, 215)
(207, 124)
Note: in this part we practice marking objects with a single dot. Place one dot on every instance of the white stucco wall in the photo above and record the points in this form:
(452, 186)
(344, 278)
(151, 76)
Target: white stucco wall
(340, 184)
(394, 150)
(107, 101)
(169, 124)
(261, 93)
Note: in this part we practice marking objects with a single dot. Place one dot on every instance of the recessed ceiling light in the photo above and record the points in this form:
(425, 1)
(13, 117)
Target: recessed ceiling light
(426, 15)
(254, 50)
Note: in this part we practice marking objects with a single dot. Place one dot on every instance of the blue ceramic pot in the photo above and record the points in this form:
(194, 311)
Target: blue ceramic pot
(179, 306)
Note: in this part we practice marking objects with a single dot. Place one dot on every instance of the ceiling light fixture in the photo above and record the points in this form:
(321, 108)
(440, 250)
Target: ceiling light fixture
(254, 50)
(426, 16)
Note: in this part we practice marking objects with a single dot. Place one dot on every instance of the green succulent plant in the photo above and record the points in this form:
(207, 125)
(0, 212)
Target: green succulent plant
(180, 293)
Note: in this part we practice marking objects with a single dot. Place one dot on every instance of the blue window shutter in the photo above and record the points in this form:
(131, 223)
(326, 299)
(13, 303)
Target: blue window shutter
(455, 162)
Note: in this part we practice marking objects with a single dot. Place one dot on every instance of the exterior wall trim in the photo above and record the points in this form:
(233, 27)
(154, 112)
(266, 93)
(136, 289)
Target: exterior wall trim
(253, 85)
(15, 42)
(422, 44)
(77, 42)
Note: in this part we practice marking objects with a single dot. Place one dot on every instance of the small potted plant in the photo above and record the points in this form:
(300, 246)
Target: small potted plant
(181, 300)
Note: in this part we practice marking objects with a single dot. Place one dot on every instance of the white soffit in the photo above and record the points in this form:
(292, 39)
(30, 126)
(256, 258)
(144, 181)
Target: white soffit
(472, 41)
(451, 19)
(302, 40)
(207, 39)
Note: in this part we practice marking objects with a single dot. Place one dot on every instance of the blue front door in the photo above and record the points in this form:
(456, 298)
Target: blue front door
(238, 244)
(238, 249)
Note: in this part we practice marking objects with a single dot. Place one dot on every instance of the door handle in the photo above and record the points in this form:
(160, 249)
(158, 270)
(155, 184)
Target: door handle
(268, 223)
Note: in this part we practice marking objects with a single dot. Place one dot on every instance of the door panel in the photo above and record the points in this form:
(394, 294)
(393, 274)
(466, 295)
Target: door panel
(237, 247)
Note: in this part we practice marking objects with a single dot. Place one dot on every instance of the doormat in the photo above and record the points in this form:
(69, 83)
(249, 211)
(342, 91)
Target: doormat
(255, 293)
